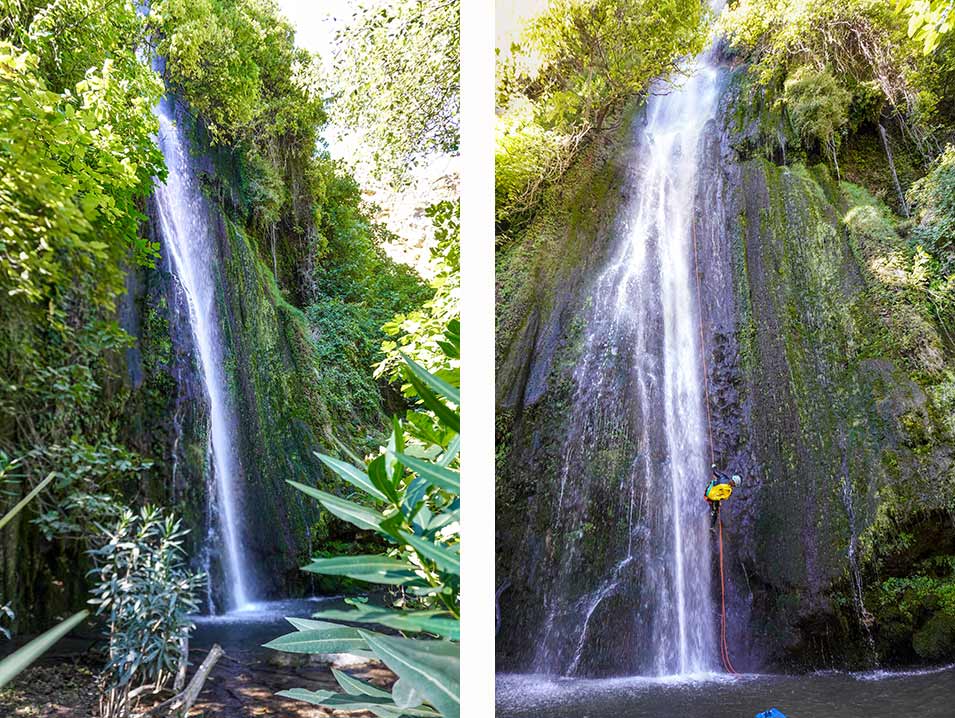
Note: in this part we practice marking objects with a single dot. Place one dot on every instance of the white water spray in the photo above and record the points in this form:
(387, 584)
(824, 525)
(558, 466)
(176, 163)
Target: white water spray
(639, 394)
(183, 221)
(663, 220)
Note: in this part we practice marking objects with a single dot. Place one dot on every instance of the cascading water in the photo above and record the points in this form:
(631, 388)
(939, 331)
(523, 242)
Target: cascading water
(183, 223)
(639, 399)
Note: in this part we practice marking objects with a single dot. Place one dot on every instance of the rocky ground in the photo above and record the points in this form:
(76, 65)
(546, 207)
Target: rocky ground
(242, 685)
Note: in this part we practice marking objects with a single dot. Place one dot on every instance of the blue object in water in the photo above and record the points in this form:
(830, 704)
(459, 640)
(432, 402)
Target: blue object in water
(771, 713)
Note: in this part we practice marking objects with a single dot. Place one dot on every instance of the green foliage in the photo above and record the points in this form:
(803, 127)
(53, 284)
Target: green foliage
(396, 80)
(818, 106)
(922, 605)
(259, 85)
(929, 21)
(21, 659)
(430, 333)
(577, 65)
(357, 289)
(77, 158)
(146, 592)
(89, 483)
(933, 201)
(860, 44)
(410, 496)
(71, 37)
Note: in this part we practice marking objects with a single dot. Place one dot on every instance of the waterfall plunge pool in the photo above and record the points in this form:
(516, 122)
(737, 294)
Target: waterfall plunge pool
(830, 694)
(247, 628)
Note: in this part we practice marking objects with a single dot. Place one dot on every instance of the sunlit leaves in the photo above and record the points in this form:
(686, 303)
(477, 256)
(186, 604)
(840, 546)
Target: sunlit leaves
(396, 81)
(577, 64)
(928, 21)
(145, 589)
(259, 86)
(411, 499)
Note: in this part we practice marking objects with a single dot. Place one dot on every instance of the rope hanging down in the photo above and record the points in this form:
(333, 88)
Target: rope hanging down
(724, 649)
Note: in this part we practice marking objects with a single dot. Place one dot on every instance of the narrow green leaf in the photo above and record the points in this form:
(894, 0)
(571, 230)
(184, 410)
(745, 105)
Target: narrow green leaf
(7, 517)
(355, 687)
(344, 701)
(341, 639)
(379, 475)
(452, 451)
(352, 475)
(433, 668)
(305, 624)
(413, 495)
(23, 657)
(443, 556)
(374, 569)
(439, 386)
(437, 475)
(440, 623)
(353, 513)
(342, 447)
(447, 416)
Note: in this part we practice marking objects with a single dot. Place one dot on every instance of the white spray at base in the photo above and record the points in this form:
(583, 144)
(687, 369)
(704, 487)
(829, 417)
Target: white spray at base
(185, 239)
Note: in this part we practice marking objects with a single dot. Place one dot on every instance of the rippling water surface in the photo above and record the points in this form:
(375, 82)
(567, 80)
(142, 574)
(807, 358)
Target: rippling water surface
(879, 694)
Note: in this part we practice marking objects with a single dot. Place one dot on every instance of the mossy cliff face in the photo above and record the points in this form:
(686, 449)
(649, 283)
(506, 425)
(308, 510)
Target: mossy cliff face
(831, 381)
(543, 282)
(831, 394)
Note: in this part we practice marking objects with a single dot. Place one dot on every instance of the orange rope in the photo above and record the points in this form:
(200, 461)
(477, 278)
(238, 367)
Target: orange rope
(724, 649)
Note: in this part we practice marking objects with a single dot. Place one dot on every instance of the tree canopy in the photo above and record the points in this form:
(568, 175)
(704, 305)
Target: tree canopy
(576, 65)
(396, 80)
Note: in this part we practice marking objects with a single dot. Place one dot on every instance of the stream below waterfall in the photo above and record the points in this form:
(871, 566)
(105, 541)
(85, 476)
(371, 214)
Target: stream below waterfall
(874, 694)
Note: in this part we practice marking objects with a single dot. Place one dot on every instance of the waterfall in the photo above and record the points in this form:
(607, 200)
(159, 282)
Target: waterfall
(183, 223)
(635, 443)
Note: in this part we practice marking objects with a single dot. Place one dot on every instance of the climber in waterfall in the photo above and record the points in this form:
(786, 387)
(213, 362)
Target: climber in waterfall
(719, 489)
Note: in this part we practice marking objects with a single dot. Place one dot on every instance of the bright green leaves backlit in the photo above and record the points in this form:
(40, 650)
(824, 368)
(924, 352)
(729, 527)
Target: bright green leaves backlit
(928, 21)
(409, 495)
(235, 62)
(576, 66)
(72, 167)
(396, 82)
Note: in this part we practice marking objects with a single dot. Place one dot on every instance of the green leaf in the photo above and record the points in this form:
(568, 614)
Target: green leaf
(413, 495)
(352, 475)
(437, 475)
(25, 500)
(378, 473)
(404, 694)
(374, 569)
(447, 417)
(443, 556)
(438, 386)
(341, 639)
(23, 657)
(351, 702)
(433, 668)
(305, 624)
(438, 622)
(452, 451)
(353, 513)
(355, 687)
